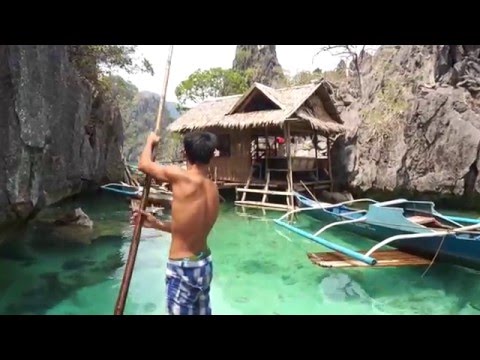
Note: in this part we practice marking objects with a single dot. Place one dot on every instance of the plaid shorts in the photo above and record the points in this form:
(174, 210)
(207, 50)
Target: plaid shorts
(188, 286)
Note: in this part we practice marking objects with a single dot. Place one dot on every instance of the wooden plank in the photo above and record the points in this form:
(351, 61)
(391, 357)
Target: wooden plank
(262, 205)
(262, 191)
(294, 170)
(274, 183)
(265, 189)
(387, 258)
(248, 183)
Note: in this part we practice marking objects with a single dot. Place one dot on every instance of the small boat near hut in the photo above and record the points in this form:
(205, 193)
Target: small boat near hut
(157, 196)
(412, 227)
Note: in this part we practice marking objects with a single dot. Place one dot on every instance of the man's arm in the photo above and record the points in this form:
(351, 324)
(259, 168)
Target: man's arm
(163, 226)
(150, 221)
(168, 174)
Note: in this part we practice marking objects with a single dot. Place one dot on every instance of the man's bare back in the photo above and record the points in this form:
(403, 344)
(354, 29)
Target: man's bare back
(194, 212)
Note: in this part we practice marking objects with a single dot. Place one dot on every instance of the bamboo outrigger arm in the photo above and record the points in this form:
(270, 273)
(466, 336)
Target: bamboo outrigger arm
(341, 249)
(460, 219)
(419, 236)
(326, 227)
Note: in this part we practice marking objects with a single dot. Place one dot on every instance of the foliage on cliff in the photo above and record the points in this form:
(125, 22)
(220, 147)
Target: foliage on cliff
(415, 130)
(94, 61)
(97, 62)
(139, 112)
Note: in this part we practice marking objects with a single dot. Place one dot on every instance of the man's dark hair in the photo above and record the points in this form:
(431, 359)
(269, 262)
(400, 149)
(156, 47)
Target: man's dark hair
(199, 147)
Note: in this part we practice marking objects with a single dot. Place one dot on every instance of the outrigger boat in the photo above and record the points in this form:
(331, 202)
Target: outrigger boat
(412, 227)
(158, 197)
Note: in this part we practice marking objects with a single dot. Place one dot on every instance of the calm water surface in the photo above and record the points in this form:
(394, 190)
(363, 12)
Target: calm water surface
(259, 267)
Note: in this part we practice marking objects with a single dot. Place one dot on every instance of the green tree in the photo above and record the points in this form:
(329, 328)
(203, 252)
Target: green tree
(213, 82)
(96, 61)
(121, 91)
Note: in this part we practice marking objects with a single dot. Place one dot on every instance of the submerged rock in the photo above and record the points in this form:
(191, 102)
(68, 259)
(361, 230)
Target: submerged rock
(289, 280)
(75, 228)
(258, 266)
(76, 264)
(149, 307)
(51, 288)
(76, 217)
(340, 287)
(422, 302)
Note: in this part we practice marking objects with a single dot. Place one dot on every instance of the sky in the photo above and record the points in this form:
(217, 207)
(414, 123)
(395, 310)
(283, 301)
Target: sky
(188, 58)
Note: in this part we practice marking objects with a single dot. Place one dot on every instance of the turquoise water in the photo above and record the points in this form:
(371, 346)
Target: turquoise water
(259, 267)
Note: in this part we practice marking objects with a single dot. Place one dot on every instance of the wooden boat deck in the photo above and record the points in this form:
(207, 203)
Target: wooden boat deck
(387, 258)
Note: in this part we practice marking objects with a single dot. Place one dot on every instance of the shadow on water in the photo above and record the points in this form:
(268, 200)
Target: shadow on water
(50, 288)
(42, 265)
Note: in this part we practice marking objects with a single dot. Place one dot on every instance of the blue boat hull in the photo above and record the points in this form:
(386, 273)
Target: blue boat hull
(459, 249)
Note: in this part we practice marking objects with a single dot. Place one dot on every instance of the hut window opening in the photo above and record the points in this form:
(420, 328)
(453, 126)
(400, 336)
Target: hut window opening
(262, 147)
(223, 145)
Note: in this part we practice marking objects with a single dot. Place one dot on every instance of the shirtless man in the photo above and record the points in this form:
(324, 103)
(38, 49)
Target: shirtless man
(194, 212)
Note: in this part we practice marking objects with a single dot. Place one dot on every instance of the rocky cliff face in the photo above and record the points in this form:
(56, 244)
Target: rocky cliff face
(262, 61)
(416, 129)
(139, 121)
(56, 132)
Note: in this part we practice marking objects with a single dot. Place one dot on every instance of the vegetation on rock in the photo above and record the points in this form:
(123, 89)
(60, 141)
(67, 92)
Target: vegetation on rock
(95, 61)
(304, 77)
(384, 117)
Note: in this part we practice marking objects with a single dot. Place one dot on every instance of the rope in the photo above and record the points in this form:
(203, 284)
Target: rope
(435, 256)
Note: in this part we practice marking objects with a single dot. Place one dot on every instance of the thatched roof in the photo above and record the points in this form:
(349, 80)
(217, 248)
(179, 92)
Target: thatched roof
(263, 106)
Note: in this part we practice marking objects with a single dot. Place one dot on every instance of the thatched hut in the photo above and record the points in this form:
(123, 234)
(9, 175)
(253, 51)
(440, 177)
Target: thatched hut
(253, 128)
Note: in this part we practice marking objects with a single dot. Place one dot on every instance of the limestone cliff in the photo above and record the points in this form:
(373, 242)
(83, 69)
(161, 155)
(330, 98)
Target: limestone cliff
(262, 61)
(416, 127)
(139, 121)
(56, 131)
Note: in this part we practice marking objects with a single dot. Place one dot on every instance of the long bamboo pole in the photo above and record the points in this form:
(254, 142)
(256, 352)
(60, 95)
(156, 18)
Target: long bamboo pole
(127, 275)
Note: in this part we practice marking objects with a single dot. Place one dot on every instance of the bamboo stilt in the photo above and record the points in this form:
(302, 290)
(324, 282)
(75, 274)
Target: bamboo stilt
(329, 164)
(290, 202)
